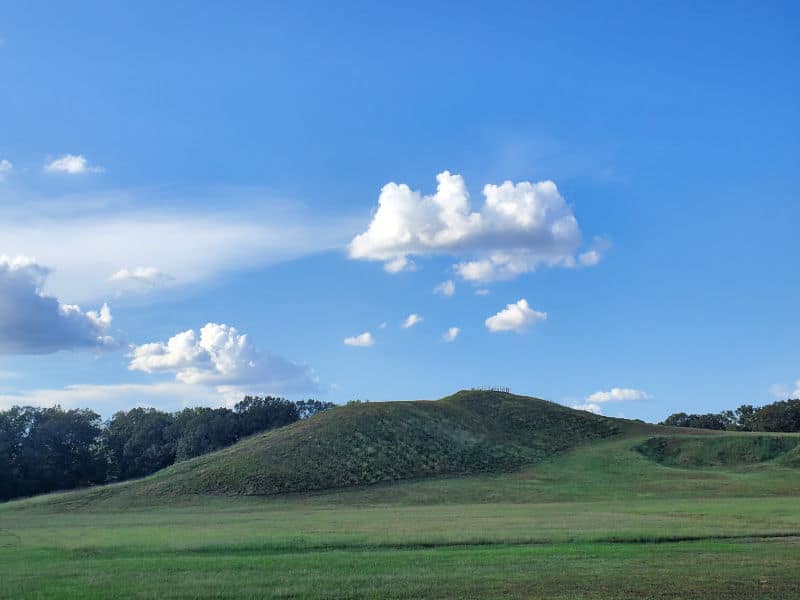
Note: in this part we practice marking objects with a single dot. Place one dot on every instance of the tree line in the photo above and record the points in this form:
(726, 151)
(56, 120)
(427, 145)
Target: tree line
(48, 449)
(783, 416)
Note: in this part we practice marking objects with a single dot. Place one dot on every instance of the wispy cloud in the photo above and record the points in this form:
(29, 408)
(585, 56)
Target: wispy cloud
(71, 164)
(146, 276)
(782, 391)
(88, 239)
(595, 253)
(364, 340)
(109, 398)
(618, 395)
(5, 168)
(446, 288)
(594, 402)
(411, 320)
(451, 334)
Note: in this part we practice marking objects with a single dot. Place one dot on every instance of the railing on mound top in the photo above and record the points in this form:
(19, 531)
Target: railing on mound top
(492, 388)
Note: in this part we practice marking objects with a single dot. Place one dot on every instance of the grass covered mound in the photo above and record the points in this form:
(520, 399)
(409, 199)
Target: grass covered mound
(468, 432)
(721, 451)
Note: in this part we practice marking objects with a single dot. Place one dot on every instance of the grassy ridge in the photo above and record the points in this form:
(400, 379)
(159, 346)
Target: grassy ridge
(607, 470)
(553, 453)
(468, 433)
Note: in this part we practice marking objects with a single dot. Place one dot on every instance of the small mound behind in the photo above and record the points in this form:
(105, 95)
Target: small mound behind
(721, 451)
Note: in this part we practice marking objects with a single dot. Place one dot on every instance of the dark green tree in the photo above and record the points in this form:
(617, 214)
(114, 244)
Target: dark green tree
(139, 442)
(718, 421)
(13, 429)
(744, 417)
(203, 430)
(46, 449)
(779, 416)
(260, 413)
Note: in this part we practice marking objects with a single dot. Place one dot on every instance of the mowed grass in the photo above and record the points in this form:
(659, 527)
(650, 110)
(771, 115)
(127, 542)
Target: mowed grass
(601, 521)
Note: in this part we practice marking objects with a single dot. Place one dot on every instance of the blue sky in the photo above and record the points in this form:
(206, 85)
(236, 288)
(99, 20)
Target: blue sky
(195, 164)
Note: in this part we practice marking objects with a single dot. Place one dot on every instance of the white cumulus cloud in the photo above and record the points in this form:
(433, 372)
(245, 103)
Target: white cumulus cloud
(519, 227)
(221, 356)
(71, 164)
(365, 340)
(451, 334)
(516, 317)
(34, 323)
(412, 320)
(446, 288)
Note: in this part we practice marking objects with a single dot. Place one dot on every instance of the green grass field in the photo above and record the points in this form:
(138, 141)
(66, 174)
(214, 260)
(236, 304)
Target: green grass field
(618, 516)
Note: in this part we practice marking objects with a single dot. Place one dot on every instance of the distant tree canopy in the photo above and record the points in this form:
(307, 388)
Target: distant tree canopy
(48, 449)
(781, 416)
(719, 421)
(259, 414)
(202, 430)
(43, 449)
(138, 442)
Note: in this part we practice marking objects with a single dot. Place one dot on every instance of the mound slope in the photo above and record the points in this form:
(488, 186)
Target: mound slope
(469, 432)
